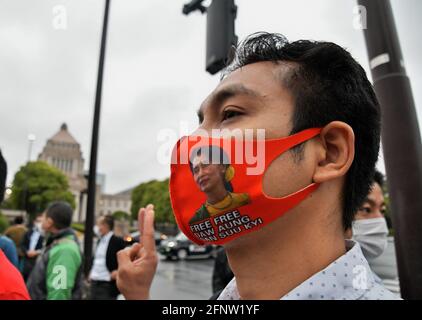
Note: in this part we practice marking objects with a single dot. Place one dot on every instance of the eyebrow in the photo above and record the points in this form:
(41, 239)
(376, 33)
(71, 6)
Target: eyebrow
(372, 202)
(369, 201)
(219, 97)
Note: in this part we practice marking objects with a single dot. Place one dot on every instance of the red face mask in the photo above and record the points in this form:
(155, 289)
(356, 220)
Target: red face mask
(216, 196)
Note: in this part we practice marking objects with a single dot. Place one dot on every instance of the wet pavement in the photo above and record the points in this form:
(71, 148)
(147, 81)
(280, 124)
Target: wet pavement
(184, 280)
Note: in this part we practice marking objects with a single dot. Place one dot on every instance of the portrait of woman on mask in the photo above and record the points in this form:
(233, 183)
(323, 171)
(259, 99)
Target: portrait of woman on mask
(212, 173)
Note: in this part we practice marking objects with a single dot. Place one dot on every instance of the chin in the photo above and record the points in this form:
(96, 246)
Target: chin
(247, 240)
(239, 241)
(206, 189)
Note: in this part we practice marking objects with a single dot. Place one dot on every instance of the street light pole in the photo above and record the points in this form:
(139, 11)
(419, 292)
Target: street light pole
(31, 139)
(401, 141)
(90, 212)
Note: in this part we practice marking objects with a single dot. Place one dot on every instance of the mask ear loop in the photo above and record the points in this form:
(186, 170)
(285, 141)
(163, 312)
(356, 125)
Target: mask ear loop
(286, 144)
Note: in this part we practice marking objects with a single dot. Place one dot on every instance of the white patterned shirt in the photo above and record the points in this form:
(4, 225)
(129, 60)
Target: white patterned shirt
(347, 278)
(99, 271)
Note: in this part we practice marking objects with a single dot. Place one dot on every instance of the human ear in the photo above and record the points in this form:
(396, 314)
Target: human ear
(335, 152)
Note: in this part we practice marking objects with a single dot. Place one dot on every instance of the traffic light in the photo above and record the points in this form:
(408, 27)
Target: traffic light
(221, 37)
(194, 5)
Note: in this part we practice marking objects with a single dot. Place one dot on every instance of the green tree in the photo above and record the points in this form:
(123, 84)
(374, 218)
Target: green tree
(157, 193)
(121, 215)
(137, 195)
(4, 223)
(36, 185)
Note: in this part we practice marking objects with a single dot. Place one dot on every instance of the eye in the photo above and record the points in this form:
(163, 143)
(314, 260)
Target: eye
(230, 113)
(366, 210)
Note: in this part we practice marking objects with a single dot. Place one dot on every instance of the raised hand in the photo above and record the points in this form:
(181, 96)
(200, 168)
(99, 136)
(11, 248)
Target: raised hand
(137, 264)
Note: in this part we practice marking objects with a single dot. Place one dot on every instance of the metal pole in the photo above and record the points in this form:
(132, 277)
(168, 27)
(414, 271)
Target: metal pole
(401, 142)
(90, 212)
(31, 139)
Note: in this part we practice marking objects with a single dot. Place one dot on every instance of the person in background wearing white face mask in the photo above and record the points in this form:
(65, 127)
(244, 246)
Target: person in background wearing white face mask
(31, 246)
(370, 226)
(104, 268)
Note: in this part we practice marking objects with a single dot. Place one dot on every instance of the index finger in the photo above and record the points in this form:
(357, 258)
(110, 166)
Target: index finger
(148, 240)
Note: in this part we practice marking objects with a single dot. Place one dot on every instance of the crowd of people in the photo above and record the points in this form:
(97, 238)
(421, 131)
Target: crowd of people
(43, 261)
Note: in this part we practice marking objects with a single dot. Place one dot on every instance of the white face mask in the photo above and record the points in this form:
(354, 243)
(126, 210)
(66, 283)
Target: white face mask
(41, 230)
(38, 226)
(371, 235)
(97, 231)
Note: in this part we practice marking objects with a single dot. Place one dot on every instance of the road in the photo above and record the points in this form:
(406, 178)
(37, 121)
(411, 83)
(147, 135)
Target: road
(184, 280)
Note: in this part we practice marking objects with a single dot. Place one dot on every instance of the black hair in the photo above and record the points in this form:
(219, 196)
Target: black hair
(18, 220)
(327, 85)
(61, 213)
(378, 178)
(214, 155)
(3, 175)
(108, 220)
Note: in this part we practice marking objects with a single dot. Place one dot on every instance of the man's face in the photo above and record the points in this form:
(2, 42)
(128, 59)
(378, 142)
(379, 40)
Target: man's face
(374, 205)
(38, 220)
(46, 223)
(103, 227)
(207, 176)
(253, 97)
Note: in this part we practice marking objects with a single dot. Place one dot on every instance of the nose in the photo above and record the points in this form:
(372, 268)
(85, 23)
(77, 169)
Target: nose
(378, 214)
(203, 131)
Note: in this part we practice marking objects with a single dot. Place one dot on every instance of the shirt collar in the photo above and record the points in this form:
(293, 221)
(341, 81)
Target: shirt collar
(107, 236)
(348, 278)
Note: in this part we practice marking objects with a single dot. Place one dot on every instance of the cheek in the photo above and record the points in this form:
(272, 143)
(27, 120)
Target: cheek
(285, 176)
(212, 173)
(359, 216)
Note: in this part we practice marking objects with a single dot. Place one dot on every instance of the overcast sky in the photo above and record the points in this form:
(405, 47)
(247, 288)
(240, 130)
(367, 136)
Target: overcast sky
(154, 72)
